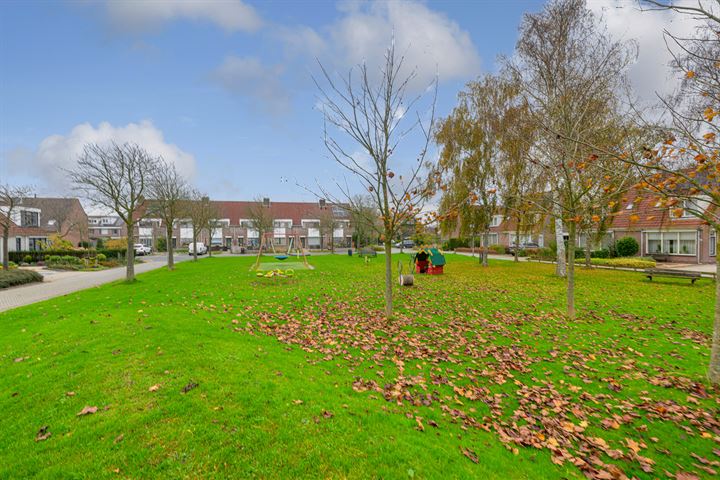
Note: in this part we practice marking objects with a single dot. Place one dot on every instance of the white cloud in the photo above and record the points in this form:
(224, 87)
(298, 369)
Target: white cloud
(231, 15)
(57, 152)
(626, 21)
(430, 42)
(251, 79)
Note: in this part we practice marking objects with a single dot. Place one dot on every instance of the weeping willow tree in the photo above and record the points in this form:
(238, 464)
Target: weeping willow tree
(471, 140)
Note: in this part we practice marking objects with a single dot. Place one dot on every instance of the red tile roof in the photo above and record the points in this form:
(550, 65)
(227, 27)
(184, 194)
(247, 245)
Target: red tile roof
(644, 213)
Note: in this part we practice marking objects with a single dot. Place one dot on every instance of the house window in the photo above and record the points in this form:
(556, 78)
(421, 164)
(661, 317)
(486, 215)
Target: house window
(282, 223)
(228, 242)
(18, 244)
(36, 244)
(496, 220)
(672, 243)
(241, 241)
(492, 239)
(713, 244)
(29, 219)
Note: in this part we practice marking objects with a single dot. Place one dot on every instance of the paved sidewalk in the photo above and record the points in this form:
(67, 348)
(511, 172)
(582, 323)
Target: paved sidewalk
(56, 283)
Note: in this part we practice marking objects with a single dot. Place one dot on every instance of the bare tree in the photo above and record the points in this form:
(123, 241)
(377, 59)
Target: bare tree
(212, 223)
(376, 117)
(170, 192)
(364, 220)
(115, 177)
(64, 219)
(328, 224)
(10, 198)
(572, 75)
(199, 210)
(261, 218)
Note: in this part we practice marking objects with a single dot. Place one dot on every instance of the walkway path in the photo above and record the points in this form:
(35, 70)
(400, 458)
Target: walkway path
(56, 283)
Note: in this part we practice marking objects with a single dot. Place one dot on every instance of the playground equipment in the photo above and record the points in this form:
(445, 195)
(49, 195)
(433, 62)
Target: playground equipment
(429, 260)
(298, 251)
(405, 280)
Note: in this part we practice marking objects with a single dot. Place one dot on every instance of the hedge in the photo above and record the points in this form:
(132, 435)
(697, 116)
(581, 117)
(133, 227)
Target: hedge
(12, 278)
(631, 262)
(39, 255)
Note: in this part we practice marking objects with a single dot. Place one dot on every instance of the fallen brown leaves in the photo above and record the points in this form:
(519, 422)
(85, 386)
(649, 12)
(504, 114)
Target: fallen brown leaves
(87, 410)
(483, 374)
(43, 434)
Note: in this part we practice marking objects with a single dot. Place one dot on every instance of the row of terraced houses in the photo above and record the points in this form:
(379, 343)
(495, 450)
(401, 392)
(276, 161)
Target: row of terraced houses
(659, 232)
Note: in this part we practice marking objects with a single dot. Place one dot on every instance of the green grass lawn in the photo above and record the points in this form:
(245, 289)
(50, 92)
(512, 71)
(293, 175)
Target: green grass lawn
(479, 376)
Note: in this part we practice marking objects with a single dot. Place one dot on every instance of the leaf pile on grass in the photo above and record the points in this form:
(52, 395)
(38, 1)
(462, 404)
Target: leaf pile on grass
(444, 362)
(12, 278)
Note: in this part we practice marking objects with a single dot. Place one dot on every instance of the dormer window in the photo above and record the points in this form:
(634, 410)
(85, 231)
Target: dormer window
(29, 218)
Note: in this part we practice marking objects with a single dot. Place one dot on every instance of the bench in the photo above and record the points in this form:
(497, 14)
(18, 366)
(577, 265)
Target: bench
(661, 272)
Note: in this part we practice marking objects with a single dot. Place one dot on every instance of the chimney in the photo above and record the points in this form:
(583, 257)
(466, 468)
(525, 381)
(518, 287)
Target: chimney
(322, 203)
(266, 202)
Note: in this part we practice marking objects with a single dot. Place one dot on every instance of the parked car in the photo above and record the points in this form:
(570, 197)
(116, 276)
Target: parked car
(407, 243)
(201, 248)
(524, 246)
(141, 250)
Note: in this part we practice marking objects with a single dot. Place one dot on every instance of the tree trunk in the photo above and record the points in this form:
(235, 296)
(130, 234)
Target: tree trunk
(486, 238)
(6, 252)
(130, 256)
(472, 245)
(388, 279)
(571, 272)
(560, 268)
(587, 256)
(517, 244)
(169, 246)
(714, 370)
(210, 244)
(194, 247)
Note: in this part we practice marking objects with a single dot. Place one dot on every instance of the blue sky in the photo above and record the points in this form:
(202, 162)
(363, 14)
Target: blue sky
(222, 88)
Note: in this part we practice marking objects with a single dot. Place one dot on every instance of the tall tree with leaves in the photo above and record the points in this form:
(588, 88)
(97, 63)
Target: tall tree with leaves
(11, 197)
(471, 138)
(572, 74)
(170, 193)
(116, 177)
(374, 113)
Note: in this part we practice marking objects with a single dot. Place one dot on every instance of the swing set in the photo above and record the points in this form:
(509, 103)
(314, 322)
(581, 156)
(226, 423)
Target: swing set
(294, 248)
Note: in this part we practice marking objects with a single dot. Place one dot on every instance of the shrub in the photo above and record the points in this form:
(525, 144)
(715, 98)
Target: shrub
(99, 243)
(28, 259)
(453, 243)
(602, 253)
(499, 249)
(161, 244)
(612, 250)
(627, 247)
(544, 253)
(632, 262)
(55, 242)
(70, 260)
(101, 257)
(52, 259)
(12, 265)
(117, 244)
(12, 278)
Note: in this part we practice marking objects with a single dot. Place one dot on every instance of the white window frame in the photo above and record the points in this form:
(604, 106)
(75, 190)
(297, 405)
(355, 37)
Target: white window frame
(713, 244)
(676, 234)
(496, 221)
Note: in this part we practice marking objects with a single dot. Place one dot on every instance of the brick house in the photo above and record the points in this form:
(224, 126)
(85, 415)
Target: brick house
(37, 219)
(664, 235)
